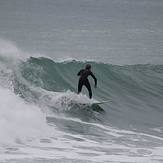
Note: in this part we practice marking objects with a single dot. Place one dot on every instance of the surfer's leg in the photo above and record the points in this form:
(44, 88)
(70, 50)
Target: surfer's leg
(80, 84)
(87, 84)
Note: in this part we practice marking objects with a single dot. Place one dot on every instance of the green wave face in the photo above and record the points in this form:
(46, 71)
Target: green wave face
(135, 91)
(133, 79)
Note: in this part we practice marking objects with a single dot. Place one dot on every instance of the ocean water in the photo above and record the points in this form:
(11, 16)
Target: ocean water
(43, 44)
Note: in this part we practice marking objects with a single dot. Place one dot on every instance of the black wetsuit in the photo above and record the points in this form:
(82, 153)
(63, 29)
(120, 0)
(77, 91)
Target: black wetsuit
(83, 80)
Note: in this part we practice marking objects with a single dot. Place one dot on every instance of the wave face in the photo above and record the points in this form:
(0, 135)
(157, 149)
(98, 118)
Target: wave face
(135, 91)
(40, 93)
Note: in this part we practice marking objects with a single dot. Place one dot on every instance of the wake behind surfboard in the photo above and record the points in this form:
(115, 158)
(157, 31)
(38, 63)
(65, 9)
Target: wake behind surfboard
(95, 105)
(72, 101)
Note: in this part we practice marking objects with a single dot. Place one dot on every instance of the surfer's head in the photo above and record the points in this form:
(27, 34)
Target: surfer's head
(88, 67)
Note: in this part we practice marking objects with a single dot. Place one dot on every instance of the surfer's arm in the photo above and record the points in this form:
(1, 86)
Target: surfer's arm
(79, 73)
(95, 79)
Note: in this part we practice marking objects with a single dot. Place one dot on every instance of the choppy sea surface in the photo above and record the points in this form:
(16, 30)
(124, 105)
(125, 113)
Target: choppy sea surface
(43, 45)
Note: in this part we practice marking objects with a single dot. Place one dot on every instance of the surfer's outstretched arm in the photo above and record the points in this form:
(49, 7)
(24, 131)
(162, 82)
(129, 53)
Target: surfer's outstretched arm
(95, 79)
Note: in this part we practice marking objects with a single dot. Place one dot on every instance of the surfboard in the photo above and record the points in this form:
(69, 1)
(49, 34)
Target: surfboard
(101, 102)
(94, 103)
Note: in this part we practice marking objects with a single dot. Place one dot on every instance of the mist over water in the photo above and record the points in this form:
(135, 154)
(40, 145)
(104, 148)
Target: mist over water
(43, 44)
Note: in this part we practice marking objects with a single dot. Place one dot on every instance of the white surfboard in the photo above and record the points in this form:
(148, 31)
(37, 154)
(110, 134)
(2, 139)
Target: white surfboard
(100, 102)
(93, 103)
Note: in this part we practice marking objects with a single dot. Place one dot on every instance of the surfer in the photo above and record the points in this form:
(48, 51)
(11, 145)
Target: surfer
(83, 79)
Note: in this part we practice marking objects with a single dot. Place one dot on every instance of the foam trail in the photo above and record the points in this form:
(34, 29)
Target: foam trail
(62, 100)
